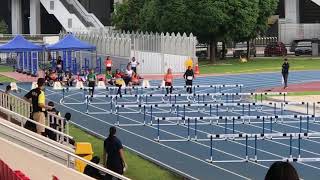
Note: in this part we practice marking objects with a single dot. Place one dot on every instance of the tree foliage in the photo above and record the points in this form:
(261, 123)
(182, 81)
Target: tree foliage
(210, 20)
(126, 15)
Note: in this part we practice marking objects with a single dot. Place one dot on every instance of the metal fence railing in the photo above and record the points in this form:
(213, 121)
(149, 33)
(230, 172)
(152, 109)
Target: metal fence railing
(61, 136)
(15, 104)
(70, 156)
(20, 110)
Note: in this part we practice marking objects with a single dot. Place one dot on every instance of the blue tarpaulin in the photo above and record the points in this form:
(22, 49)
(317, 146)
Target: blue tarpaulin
(20, 44)
(71, 43)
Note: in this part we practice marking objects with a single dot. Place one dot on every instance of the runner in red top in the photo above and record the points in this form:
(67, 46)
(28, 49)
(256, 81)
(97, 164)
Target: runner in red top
(168, 79)
(108, 64)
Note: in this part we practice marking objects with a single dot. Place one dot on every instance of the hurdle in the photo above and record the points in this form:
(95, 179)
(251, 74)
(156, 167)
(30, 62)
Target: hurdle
(255, 137)
(223, 122)
(217, 87)
(137, 103)
(194, 98)
(110, 89)
(209, 108)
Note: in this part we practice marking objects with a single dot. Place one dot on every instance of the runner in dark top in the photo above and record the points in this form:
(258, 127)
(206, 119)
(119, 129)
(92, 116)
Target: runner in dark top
(285, 72)
(189, 76)
(113, 153)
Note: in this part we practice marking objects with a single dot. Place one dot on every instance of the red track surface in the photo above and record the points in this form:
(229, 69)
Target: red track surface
(311, 86)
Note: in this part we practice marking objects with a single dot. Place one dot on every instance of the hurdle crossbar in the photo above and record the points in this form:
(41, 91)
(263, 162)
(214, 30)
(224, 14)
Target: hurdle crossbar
(160, 87)
(232, 117)
(188, 95)
(181, 87)
(261, 135)
(207, 104)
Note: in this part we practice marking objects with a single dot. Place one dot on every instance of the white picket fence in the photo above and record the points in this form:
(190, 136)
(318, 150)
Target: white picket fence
(155, 52)
(114, 46)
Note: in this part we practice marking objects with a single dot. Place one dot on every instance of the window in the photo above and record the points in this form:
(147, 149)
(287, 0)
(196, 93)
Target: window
(69, 23)
(51, 5)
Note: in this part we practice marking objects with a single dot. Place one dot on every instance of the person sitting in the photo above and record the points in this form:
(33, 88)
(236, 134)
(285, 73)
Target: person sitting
(69, 78)
(82, 76)
(135, 79)
(118, 74)
(109, 78)
(281, 171)
(53, 77)
(92, 171)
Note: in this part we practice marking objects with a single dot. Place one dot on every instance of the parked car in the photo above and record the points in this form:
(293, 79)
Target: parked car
(275, 49)
(303, 48)
(241, 49)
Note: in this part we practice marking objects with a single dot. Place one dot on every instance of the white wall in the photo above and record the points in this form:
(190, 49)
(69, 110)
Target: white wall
(289, 32)
(158, 63)
(292, 11)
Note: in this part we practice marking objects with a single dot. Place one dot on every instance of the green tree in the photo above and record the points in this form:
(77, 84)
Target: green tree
(149, 16)
(165, 16)
(126, 15)
(266, 8)
(210, 20)
(3, 27)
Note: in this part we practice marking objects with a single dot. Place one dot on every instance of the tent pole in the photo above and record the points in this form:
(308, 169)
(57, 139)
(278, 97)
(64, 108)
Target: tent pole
(96, 60)
(23, 62)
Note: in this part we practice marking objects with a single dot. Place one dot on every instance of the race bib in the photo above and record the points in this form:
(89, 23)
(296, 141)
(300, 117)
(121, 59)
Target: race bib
(189, 77)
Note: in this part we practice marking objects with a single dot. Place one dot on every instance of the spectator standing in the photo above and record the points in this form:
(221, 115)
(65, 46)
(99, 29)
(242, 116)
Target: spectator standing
(108, 64)
(59, 68)
(53, 122)
(281, 171)
(92, 78)
(92, 171)
(7, 92)
(134, 63)
(189, 76)
(113, 154)
(168, 79)
(37, 98)
(8, 89)
(285, 72)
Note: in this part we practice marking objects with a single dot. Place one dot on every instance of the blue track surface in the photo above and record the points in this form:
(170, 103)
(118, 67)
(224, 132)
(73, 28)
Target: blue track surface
(189, 157)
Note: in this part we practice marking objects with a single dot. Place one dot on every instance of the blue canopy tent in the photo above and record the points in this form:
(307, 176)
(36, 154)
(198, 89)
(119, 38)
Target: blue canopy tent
(27, 52)
(68, 45)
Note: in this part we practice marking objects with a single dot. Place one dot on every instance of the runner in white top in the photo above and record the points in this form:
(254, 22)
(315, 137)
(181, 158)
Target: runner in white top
(134, 64)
